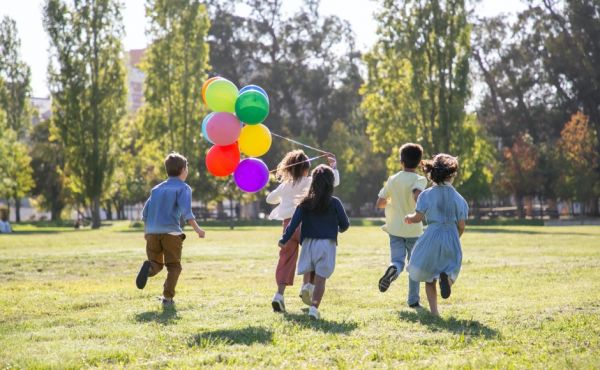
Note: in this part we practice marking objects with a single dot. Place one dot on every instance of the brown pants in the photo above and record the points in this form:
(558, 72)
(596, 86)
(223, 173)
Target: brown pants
(165, 250)
(288, 255)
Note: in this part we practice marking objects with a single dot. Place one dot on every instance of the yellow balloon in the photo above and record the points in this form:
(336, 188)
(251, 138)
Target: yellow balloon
(255, 140)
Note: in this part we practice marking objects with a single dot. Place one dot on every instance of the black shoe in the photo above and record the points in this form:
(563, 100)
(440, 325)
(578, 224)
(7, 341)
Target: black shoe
(142, 277)
(444, 285)
(415, 305)
(387, 278)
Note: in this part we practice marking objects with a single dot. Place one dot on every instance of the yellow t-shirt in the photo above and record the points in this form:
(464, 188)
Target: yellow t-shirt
(398, 191)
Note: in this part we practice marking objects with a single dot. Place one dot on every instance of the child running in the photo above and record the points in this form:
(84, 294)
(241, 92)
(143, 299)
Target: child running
(398, 197)
(437, 253)
(322, 216)
(168, 202)
(292, 172)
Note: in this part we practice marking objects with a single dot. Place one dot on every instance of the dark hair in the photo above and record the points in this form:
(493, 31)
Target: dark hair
(175, 163)
(441, 168)
(293, 166)
(320, 191)
(410, 155)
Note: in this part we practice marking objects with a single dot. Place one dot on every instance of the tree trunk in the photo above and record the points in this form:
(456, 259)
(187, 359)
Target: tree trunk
(55, 212)
(520, 207)
(108, 210)
(17, 210)
(96, 221)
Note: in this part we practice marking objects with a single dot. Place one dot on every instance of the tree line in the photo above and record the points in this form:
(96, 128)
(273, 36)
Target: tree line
(530, 131)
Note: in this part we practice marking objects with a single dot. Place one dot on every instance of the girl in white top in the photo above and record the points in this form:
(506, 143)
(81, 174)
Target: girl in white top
(293, 173)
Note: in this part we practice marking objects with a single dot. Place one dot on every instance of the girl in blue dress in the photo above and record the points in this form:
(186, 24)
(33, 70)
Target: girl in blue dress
(437, 254)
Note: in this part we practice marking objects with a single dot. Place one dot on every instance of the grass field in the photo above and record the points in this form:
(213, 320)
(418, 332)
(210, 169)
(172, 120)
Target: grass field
(527, 297)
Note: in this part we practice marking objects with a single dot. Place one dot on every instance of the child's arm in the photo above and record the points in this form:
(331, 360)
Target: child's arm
(343, 221)
(291, 227)
(333, 164)
(274, 197)
(192, 222)
(381, 203)
(461, 227)
(413, 218)
(416, 193)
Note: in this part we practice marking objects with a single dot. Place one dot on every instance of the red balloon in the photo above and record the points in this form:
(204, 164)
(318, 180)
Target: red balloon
(223, 160)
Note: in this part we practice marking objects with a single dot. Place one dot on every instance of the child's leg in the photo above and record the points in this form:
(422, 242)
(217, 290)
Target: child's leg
(155, 254)
(432, 297)
(286, 266)
(413, 286)
(309, 277)
(319, 290)
(172, 245)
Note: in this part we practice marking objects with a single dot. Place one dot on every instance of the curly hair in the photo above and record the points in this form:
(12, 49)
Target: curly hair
(441, 168)
(292, 167)
(321, 190)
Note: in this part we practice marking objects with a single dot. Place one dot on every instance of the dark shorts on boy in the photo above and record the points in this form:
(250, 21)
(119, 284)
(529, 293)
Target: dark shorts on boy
(165, 250)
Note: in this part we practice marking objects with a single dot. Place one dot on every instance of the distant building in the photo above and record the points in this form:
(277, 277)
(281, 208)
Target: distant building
(135, 80)
(43, 106)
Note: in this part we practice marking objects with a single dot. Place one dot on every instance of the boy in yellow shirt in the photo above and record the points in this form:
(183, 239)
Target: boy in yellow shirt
(398, 197)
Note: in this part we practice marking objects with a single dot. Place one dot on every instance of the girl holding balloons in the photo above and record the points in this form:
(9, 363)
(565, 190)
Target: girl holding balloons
(293, 174)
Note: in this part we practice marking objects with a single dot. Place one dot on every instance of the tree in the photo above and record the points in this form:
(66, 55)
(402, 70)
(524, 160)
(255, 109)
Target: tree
(15, 168)
(87, 83)
(16, 76)
(14, 88)
(48, 162)
(579, 160)
(175, 65)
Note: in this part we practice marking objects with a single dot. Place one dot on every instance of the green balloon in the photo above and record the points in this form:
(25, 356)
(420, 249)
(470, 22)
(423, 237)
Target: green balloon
(252, 107)
(221, 95)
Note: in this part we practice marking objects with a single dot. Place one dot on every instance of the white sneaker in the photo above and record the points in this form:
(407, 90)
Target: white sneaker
(313, 313)
(278, 303)
(306, 293)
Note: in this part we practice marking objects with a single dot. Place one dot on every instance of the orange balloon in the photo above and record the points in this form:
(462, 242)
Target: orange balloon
(205, 86)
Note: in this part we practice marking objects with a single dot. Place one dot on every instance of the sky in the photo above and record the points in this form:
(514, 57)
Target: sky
(34, 41)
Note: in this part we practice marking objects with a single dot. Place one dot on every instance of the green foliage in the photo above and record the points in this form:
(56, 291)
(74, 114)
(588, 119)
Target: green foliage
(175, 65)
(87, 82)
(15, 78)
(15, 164)
(48, 162)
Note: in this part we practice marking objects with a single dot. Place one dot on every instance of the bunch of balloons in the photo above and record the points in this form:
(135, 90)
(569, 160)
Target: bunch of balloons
(234, 128)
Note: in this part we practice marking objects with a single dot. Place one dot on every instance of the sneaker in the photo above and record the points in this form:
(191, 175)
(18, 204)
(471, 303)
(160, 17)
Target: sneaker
(167, 302)
(277, 303)
(142, 277)
(313, 313)
(306, 293)
(390, 275)
(444, 285)
(415, 305)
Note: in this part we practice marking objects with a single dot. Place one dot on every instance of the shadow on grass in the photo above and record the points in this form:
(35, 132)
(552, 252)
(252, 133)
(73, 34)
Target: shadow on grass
(245, 336)
(166, 317)
(326, 326)
(467, 327)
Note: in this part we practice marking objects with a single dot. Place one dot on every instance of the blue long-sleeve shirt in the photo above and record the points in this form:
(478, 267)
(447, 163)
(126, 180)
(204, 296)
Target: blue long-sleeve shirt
(168, 201)
(316, 225)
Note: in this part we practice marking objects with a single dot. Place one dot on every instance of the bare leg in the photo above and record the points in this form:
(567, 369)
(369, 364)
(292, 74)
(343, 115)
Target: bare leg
(319, 290)
(281, 288)
(431, 291)
(309, 277)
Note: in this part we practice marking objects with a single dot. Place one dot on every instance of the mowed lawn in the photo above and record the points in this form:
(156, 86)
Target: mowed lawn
(527, 297)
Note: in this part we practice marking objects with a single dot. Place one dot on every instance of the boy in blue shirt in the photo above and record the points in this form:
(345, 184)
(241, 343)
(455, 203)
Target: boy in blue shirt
(168, 202)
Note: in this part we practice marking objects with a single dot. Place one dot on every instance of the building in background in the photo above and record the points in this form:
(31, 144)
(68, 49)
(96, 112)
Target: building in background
(135, 80)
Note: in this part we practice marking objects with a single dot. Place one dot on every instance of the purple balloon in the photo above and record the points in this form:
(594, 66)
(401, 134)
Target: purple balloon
(251, 175)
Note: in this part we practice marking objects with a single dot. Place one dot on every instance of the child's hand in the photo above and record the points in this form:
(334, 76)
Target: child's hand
(332, 161)
(200, 233)
(408, 219)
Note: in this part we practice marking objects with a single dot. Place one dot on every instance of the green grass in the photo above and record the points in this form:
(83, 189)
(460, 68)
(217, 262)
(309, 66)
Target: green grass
(527, 297)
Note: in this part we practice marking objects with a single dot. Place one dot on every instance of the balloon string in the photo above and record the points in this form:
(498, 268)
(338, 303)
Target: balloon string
(299, 143)
(292, 165)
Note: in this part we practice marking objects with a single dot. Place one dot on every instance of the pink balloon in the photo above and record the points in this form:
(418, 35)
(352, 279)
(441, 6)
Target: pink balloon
(223, 128)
